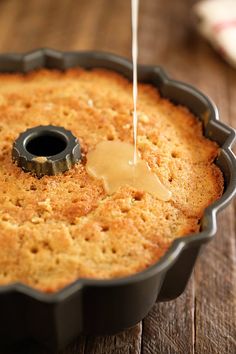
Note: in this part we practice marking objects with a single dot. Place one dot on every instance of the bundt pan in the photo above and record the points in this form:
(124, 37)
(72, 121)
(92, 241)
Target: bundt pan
(109, 306)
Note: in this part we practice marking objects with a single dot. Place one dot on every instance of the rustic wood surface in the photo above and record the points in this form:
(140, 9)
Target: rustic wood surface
(203, 319)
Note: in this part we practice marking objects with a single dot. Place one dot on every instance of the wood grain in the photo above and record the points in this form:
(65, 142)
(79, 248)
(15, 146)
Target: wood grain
(169, 326)
(203, 319)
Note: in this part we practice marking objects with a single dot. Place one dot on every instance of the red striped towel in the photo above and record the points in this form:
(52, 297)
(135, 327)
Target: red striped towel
(216, 21)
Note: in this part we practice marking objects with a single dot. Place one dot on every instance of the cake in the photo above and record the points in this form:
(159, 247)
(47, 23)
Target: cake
(57, 229)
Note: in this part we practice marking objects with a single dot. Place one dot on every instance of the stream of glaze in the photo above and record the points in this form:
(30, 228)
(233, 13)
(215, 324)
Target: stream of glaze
(125, 167)
(134, 14)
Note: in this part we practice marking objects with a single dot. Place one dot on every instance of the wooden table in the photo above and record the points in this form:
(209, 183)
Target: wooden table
(202, 320)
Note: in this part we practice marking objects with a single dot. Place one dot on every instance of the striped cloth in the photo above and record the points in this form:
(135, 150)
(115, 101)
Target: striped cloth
(216, 21)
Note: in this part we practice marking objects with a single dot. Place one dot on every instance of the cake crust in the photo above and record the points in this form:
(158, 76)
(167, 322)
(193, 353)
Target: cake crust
(56, 229)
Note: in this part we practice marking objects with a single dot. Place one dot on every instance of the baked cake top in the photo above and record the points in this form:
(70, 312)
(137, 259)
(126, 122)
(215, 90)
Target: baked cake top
(56, 229)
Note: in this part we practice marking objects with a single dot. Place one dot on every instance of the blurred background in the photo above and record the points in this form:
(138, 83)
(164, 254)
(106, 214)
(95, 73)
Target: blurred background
(167, 37)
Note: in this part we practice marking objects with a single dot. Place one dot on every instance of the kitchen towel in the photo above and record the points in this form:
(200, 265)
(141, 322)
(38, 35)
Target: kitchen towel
(216, 21)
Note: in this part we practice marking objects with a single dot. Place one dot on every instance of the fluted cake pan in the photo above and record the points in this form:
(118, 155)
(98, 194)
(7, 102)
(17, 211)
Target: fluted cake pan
(109, 306)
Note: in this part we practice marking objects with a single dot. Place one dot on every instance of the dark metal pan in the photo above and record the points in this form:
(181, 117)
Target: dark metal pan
(110, 306)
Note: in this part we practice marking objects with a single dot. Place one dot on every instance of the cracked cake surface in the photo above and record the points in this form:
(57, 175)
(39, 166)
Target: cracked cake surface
(56, 229)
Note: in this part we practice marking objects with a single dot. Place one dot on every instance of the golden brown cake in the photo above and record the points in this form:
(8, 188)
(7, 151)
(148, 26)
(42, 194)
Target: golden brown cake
(57, 229)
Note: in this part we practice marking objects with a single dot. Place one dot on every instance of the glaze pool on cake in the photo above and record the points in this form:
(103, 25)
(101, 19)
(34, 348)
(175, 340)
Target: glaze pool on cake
(57, 229)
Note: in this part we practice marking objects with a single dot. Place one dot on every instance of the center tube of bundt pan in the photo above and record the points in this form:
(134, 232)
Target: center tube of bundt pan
(134, 10)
